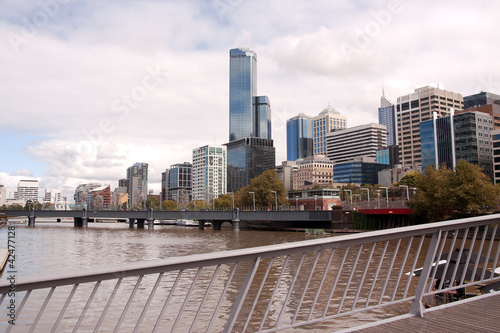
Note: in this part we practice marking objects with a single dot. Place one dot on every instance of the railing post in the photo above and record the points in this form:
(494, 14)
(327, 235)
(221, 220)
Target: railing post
(417, 308)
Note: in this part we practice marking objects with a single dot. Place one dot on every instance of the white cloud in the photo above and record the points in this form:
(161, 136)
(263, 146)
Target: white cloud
(69, 82)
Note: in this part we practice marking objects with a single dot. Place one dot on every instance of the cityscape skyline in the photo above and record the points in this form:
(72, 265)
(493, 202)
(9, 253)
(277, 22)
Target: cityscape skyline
(87, 94)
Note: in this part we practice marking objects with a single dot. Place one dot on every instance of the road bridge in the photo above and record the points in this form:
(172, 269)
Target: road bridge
(306, 219)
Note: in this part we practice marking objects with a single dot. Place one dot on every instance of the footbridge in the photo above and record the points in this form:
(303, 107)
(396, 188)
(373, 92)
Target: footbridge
(310, 219)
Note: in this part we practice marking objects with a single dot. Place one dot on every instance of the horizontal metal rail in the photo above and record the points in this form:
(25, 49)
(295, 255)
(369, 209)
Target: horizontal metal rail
(319, 283)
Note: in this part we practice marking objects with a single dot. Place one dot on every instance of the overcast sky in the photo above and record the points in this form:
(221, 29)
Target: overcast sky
(88, 88)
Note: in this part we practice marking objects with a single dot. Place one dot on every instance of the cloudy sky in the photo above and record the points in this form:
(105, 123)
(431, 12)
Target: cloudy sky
(90, 87)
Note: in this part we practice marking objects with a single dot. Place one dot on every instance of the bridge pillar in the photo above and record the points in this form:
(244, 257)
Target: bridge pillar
(140, 223)
(131, 223)
(151, 223)
(217, 225)
(85, 221)
(77, 222)
(236, 219)
(201, 224)
(31, 218)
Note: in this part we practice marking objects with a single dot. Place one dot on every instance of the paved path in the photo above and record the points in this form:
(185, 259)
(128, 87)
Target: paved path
(478, 314)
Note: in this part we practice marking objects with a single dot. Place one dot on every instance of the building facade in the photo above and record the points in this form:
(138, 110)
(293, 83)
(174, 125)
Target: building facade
(387, 117)
(414, 108)
(327, 121)
(82, 192)
(137, 185)
(312, 172)
(299, 137)
(465, 136)
(360, 171)
(209, 172)
(246, 159)
(181, 183)
(250, 149)
(99, 198)
(27, 190)
(285, 173)
(495, 136)
(364, 140)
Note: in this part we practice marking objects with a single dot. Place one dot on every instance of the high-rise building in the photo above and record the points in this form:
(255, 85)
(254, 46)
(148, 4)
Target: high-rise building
(250, 138)
(246, 159)
(52, 195)
(464, 136)
(285, 173)
(137, 184)
(249, 114)
(414, 108)
(299, 137)
(483, 102)
(99, 198)
(480, 99)
(312, 172)
(165, 185)
(27, 190)
(327, 121)
(82, 193)
(3, 195)
(386, 116)
(181, 183)
(359, 141)
(209, 172)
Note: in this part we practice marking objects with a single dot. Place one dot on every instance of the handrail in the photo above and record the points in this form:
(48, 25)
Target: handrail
(301, 283)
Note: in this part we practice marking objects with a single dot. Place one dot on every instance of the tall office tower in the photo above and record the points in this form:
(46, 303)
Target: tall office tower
(359, 141)
(414, 108)
(209, 172)
(299, 139)
(249, 122)
(181, 183)
(483, 102)
(137, 185)
(464, 136)
(27, 190)
(327, 121)
(165, 185)
(386, 116)
(480, 99)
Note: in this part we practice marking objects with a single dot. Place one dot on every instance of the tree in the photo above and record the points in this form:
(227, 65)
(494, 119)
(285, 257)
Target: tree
(199, 204)
(169, 205)
(263, 186)
(224, 201)
(410, 179)
(443, 193)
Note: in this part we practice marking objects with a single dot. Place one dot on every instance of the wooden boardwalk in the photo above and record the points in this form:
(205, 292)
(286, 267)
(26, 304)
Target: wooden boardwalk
(478, 314)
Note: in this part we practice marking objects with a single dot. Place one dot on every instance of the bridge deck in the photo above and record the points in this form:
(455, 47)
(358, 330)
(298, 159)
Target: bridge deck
(478, 314)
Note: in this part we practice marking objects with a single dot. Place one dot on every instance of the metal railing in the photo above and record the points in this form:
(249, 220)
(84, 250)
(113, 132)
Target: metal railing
(328, 283)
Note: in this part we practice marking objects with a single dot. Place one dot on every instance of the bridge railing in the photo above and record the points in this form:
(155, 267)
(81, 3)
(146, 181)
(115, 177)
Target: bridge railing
(328, 283)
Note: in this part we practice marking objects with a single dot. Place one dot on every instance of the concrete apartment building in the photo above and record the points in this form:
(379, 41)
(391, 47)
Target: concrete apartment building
(312, 171)
(327, 121)
(209, 172)
(414, 108)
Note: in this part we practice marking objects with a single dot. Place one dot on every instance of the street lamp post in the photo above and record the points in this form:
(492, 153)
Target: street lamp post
(315, 197)
(407, 192)
(275, 200)
(232, 195)
(386, 196)
(253, 199)
(378, 192)
(368, 195)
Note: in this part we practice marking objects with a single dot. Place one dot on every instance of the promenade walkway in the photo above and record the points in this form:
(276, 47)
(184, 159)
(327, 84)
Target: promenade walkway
(477, 314)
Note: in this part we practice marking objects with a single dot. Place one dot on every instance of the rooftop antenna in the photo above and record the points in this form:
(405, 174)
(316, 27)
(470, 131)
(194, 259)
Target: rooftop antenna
(383, 92)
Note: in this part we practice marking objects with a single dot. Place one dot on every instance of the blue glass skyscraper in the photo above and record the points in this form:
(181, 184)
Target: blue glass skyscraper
(299, 137)
(250, 149)
(386, 117)
(249, 114)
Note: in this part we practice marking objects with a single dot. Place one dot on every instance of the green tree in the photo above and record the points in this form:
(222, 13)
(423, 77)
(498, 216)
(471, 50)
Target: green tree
(224, 201)
(200, 205)
(443, 193)
(153, 203)
(263, 186)
(410, 179)
(169, 205)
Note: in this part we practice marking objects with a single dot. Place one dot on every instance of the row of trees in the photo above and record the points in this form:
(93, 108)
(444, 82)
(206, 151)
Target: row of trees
(266, 188)
(444, 193)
